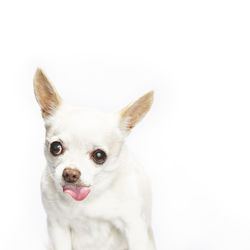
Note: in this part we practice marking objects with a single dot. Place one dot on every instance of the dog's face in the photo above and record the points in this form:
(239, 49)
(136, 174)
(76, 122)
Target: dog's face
(83, 146)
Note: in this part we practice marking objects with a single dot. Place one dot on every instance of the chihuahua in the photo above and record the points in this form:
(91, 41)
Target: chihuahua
(96, 196)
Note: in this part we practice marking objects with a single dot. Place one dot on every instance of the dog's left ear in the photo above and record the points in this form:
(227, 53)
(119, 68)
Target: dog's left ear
(45, 93)
(134, 112)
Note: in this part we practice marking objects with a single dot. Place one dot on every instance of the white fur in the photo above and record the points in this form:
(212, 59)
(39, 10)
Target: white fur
(116, 214)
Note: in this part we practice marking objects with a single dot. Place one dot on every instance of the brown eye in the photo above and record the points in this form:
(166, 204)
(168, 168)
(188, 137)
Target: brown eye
(56, 148)
(99, 156)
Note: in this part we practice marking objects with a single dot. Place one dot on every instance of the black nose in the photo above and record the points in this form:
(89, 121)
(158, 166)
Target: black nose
(71, 175)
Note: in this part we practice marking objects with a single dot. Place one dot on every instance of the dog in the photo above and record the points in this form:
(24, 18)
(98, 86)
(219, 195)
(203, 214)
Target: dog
(96, 196)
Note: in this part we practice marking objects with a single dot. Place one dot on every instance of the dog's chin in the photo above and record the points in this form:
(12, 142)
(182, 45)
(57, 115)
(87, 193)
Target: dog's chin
(77, 192)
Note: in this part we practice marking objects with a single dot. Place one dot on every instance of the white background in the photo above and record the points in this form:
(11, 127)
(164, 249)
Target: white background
(195, 142)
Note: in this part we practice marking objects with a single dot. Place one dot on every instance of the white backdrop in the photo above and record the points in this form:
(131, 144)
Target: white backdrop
(194, 143)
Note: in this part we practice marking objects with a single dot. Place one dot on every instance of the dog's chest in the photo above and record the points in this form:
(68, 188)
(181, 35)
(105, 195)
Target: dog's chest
(93, 234)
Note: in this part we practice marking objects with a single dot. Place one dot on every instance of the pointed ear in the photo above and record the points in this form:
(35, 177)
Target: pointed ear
(45, 93)
(134, 112)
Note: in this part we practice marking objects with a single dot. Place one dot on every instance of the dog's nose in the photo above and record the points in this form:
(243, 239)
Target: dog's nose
(71, 175)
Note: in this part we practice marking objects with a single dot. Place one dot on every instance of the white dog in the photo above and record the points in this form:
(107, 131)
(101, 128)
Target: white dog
(95, 194)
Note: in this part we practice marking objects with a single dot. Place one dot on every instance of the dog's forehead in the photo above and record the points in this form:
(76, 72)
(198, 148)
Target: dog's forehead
(85, 125)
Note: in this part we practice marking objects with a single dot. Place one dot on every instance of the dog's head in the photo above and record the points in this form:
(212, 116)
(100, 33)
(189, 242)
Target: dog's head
(83, 146)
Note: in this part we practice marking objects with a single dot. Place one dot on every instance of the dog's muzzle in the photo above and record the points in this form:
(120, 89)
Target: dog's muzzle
(76, 191)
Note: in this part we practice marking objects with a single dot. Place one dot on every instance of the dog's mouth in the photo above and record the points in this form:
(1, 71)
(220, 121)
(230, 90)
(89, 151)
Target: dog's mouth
(78, 193)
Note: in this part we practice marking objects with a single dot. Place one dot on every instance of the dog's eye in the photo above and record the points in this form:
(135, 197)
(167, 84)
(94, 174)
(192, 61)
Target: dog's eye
(56, 148)
(99, 156)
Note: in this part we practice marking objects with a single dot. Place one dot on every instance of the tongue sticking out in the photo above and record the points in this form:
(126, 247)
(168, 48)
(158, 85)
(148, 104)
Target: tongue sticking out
(77, 193)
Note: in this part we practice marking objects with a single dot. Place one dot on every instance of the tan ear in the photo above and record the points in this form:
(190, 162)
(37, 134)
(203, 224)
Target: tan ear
(45, 93)
(133, 113)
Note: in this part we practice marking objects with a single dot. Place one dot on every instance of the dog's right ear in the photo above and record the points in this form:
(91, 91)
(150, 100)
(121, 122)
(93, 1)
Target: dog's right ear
(45, 93)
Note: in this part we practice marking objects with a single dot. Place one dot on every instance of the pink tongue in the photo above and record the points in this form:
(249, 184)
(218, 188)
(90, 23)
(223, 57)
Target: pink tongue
(77, 193)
